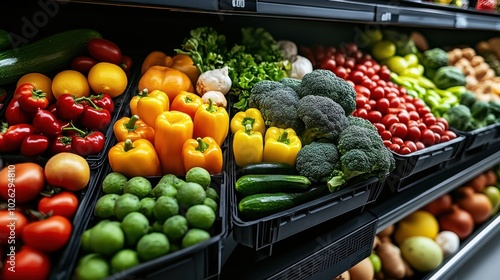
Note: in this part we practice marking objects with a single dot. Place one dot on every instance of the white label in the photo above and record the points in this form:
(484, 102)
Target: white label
(238, 3)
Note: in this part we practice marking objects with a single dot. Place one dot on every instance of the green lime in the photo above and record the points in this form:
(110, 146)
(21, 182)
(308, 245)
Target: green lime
(200, 216)
(211, 203)
(175, 227)
(139, 186)
(124, 259)
(164, 189)
(172, 180)
(147, 205)
(85, 241)
(194, 236)
(114, 183)
(106, 238)
(105, 206)
(396, 64)
(152, 246)
(199, 175)
(92, 266)
(125, 204)
(191, 194)
(134, 225)
(212, 193)
(156, 227)
(165, 207)
(383, 49)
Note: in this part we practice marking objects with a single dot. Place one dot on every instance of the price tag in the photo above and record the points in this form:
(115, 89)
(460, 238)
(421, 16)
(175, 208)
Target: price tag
(461, 22)
(238, 5)
(387, 16)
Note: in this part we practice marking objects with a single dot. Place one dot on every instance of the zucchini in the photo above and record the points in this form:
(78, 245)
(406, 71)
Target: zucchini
(269, 168)
(270, 183)
(263, 204)
(45, 55)
(4, 39)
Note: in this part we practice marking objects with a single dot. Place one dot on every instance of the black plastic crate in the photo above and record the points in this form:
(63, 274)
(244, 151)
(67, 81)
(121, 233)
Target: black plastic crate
(411, 165)
(200, 261)
(478, 139)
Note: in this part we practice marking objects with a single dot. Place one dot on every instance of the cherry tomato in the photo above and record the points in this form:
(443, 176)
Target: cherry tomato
(362, 113)
(328, 64)
(368, 83)
(62, 204)
(339, 59)
(413, 133)
(104, 50)
(382, 105)
(350, 62)
(380, 127)
(427, 137)
(386, 135)
(361, 90)
(409, 106)
(436, 128)
(83, 64)
(420, 145)
(394, 147)
(398, 130)
(356, 76)
(361, 101)
(340, 72)
(404, 150)
(411, 145)
(413, 115)
(429, 120)
(368, 107)
(12, 224)
(48, 235)
(374, 116)
(403, 116)
(437, 138)
(422, 126)
(419, 103)
(28, 264)
(450, 134)
(389, 119)
(422, 111)
(384, 73)
(397, 140)
(21, 182)
(377, 93)
(443, 121)
(370, 72)
(445, 138)
(387, 143)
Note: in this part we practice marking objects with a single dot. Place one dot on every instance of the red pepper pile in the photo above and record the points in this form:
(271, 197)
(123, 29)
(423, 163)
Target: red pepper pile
(34, 127)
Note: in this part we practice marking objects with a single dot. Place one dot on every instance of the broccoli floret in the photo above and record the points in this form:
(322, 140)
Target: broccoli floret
(459, 117)
(353, 120)
(277, 104)
(433, 59)
(480, 109)
(317, 161)
(291, 82)
(323, 118)
(468, 98)
(324, 83)
(362, 154)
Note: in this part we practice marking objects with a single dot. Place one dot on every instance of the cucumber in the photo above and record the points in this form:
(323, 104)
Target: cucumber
(45, 55)
(4, 40)
(263, 204)
(270, 183)
(269, 168)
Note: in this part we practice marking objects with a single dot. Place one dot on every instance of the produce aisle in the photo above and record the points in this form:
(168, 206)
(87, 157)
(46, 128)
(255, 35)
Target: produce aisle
(270, 139)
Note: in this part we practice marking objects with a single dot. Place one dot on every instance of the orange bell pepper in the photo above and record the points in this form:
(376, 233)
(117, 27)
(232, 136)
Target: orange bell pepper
(211, 120)
(181, 62)
(155, 58)
(134, 158)
(133, 128)
(172, 130)
(166, 79)
(204, 153)
(135, 99)
(186, 102)
(149, 107)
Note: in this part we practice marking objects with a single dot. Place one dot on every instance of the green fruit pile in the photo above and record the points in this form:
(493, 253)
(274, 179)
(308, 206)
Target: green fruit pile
(139, 222)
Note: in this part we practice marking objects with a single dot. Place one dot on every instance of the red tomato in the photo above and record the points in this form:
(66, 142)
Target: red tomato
(370, 72)
(398, 130)
(443, 121)
(387, 143)
(83, 64)
(389, 119)
(361, 90)
(368, 83)
(374, 116)
(384, 73)
(356, 76)
(380, 127)
(21, 182)
(413, 115)
(411, 145)
(328, 64)
(362, 113)
(12, 224)
(437, 138)
(404, 150)
(445, 138)
(427, 137)
(419, 103)
(382, 105)
(436, 128)
(340, 72)
(397, 140)
(409, 106)
(429, 120)
(350, 62)
(420, 145)
(62, 204)
(48, 235)
(394, 147)
(413, 133)
(386, 135)
(361, 101)
(377, 93)
(403, 116)
(362, 68)
(339, 59)
(104, 50)
(28, 264)
(368, 107)
(422, 111)
(450, 134)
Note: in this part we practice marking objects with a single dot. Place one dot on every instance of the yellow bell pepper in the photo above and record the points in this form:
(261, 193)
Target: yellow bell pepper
(134, 158)
(172, 130)
(250, 116)
(151, 106)
(133, 128)
(248, 146)
(202, 152)
(211, 120)
(281, 145)
(186, 102)
(135, 99)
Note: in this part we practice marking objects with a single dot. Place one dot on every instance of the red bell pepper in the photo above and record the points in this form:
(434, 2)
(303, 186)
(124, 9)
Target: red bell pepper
(85, 144)
(31, 99)
(12, 136)
(104, 101)
(14, 115)
(34, 145)
(69, 108)
(47, 123)
(61, 144)
(94, 117)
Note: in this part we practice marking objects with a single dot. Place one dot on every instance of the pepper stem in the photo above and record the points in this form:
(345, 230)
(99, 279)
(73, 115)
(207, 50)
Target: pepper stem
(128, 145)
(143, 93)
(188, 99)
(74, 128)
(211, 107)
(4, 128)
(284, 138)
(91, 103)
(130, 125)
(248, 120)
(248, 128)
(202, 145)
(38, 93)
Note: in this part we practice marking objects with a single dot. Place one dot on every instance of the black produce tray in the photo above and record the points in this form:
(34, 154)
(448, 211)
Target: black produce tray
(478, 139)
(200, 261)
(411, 165)
(86, 197)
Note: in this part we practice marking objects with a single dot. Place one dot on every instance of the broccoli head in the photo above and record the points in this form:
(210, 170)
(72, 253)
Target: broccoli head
(317, 161)
(434, 58)
(459, 117)
(291, 82)
(324, 83)
(353, 120)
(277, 104)
(362, 154)
(323, 118)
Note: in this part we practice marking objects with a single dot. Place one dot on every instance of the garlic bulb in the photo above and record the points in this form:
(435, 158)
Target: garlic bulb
(217, 79)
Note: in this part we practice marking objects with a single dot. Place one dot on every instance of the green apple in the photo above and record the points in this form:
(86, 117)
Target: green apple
(376, 262)
(493, 194)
